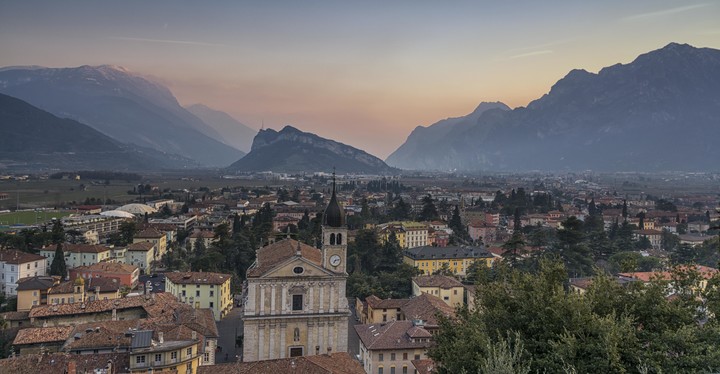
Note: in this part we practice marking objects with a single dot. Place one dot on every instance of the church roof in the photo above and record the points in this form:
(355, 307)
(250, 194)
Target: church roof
(334, 215)
(273, 254)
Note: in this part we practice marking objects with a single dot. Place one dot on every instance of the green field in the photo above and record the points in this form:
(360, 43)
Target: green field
(30, 218)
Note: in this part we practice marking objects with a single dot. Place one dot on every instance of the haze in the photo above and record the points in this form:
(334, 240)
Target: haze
(363, 73)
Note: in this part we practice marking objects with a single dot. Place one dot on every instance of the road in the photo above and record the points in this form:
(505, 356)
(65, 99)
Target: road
(157, 281)
(229, 327)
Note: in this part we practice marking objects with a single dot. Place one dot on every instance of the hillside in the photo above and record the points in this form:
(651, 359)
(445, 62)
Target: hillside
(293, 151)
(231, 131)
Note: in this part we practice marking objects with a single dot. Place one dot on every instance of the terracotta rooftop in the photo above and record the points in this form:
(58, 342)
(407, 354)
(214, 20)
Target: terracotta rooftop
(424, 366)
(441, 281)
(449, 252)
(202, 234)
(15, 316)
(378, 303)
(35, 283)
(193, 277)
(392, 335)
(158, 303)
(58, 363)
(426, 307)
(272, 254)
(36, 335)
(63, 287)
(705, 272)
(110, 267)
(149, 234)
(85, 248)
(13, 256)
(335, 363)
(140, 246)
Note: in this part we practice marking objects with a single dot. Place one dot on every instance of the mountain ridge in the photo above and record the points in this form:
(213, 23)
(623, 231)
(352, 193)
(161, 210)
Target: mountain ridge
(292, 150)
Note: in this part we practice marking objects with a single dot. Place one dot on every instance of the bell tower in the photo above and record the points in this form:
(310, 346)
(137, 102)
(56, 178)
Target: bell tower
(334, 235)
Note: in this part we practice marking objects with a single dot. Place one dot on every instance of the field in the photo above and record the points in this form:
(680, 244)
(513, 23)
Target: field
(30, 217)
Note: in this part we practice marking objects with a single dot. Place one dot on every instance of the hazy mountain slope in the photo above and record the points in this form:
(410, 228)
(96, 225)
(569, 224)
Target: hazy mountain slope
(659, 112)
(411, 154)
(123, 106)
(231, 131)
(34, 139)
(291, 150)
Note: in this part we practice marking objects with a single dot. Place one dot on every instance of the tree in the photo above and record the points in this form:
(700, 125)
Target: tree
(625, 210)
(514, 248)
(58, 266)
(58, 232)
(460, 232)
(429, 211)
(401, 211)
(573, 249)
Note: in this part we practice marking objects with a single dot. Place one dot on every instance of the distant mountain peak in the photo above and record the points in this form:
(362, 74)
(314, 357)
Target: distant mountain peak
(293, 150)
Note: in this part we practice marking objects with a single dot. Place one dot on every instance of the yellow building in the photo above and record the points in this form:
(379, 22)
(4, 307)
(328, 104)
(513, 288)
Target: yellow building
(153, 236)
(202, 290)
(449, 289)
(455, 258)
(177, 356)
(33, 291)
(409, 234)
(82, 291)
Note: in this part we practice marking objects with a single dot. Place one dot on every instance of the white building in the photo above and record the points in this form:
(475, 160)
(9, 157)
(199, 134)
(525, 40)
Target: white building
(16, 264)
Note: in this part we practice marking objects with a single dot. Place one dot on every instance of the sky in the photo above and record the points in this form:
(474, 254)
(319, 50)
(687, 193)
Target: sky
(365, 73)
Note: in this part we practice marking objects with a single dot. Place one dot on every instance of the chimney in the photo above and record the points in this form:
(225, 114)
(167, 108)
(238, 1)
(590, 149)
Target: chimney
(329, 350)
(114, 314)
(97, 292)
(194, 335)
(160, 337)
(71, 367)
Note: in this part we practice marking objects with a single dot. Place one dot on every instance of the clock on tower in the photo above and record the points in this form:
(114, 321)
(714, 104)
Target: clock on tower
(334, 232)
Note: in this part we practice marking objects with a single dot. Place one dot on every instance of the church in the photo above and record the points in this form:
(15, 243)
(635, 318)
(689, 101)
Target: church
(295, 302)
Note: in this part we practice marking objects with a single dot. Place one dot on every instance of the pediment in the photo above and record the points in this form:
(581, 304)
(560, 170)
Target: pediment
(286, 269)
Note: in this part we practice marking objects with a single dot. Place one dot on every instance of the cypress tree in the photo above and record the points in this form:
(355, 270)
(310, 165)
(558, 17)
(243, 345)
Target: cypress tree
(58, 266)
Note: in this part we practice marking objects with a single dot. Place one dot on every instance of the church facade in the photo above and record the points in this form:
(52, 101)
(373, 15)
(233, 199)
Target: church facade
(295, 302)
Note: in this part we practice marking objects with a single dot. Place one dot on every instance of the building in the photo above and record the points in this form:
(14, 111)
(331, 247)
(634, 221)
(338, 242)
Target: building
(654, 236)
(33, 291)
(295, 303)
(15, 265)
(79, 254)
(408, 234)
(177, 356)
(102, 224)
(143, 255)
(202, 290)
(126, 274)
(424, 307)
(456, 258)
(390, 347)
(482, 231)
(65, 363)
(207, 238)
(449, 289)
(153, 236)
(41, 340)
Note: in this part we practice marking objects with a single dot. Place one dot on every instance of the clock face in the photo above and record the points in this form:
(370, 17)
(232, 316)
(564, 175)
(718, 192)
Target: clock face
(335, 260)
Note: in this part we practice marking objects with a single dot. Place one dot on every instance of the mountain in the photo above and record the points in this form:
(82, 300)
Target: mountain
(232, 132)
(293, 151)
(411, 154)
(31, 138)
(124, 106)
(659, 112)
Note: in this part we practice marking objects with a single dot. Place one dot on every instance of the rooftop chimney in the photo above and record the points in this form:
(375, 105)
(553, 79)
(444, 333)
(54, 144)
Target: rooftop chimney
(71, 367)
(161, 337)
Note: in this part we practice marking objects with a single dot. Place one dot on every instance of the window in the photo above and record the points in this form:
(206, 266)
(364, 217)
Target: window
(173, 355)
(197, 293)
(297, 302)
(189, 367)
(380, 370)
(158, 357)
(212, 305)
(404, 371)
(212, 293)
(339, 239)
(298, 270)
(332, 239)
(392, 369)
(36, 264)
(28, 266)
(34, 293)
(384, 317)
(405, 356)
(392, 357)
(380, 357)
(183, 293)
(455, 292)
(189, 351)
(296, 351)
(140, 359)
(206, 357)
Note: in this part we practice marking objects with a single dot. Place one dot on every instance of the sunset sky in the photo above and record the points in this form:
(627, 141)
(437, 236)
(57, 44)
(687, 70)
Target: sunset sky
(365, 72)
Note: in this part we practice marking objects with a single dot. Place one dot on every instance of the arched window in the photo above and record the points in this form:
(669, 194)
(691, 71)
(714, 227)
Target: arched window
(339, 239)
(332, 239)
(296, 335)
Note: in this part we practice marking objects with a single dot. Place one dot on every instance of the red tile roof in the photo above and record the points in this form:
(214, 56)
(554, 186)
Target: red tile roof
(84, 248)
(36, 335)
(392, 335)
(335, 363)
(271, 255)
(194, 277)
(58, 363)
(441, 281)
(140, 246)
(13, 256)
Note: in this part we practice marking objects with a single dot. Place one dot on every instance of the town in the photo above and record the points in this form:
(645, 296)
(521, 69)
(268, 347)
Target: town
(341, 273)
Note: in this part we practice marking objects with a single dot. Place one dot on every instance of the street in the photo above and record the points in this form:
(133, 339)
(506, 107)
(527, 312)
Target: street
(229, 327)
